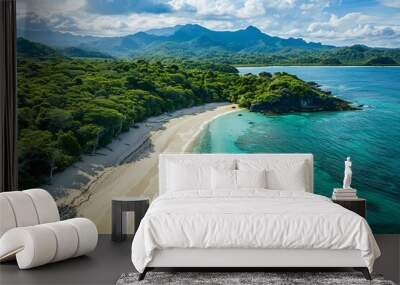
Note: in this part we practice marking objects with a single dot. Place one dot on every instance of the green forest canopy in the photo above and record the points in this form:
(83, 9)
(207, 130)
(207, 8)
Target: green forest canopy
(67, 107)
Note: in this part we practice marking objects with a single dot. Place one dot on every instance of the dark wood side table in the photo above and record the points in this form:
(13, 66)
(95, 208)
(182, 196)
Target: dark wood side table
(358, 205)
(139, 205)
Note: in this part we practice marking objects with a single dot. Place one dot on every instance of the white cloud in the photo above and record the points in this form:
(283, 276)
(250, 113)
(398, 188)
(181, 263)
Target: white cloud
(110, 25)
(231, 7)
(339, 23)
(391, 3)
(281, 4)
(251, 8)
(314, 6)
(206, 7)
(354, 28)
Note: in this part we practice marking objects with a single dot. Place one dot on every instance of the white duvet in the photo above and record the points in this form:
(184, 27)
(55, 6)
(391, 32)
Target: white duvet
(250, 219)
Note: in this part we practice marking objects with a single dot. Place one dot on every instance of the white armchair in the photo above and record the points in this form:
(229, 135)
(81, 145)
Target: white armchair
(31, 230)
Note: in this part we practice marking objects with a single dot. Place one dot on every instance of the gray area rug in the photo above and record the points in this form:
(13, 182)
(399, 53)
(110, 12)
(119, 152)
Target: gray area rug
(232, 278)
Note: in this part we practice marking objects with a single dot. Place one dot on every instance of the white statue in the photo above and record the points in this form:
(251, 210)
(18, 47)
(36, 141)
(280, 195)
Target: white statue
(348, 173)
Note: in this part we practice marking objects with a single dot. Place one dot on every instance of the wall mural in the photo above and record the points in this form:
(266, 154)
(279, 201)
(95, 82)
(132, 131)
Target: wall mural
(105, 86)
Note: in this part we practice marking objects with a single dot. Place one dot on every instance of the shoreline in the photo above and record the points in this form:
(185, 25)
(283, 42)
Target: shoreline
(188, 147)
(128, 166)
(310, 65)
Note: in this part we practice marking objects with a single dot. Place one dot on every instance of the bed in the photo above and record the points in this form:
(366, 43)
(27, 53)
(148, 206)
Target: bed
(246, 211)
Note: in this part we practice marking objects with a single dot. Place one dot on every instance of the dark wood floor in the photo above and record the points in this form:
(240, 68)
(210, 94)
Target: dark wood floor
(110, 260)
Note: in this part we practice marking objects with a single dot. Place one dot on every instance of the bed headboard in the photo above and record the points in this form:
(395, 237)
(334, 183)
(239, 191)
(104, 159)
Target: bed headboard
(164, 159)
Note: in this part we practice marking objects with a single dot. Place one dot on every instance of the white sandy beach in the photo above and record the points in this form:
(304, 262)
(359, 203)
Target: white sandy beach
(129, 165)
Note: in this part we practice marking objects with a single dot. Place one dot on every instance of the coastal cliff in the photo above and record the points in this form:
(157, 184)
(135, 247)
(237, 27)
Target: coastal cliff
(284, 93)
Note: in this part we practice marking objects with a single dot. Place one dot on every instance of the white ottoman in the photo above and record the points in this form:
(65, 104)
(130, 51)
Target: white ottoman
(34, 243)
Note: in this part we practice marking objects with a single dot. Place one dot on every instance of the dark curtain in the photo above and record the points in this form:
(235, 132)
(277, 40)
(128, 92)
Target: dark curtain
(8, 97)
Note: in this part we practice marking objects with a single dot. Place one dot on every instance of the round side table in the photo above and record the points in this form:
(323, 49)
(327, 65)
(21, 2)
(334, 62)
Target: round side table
(139, 205)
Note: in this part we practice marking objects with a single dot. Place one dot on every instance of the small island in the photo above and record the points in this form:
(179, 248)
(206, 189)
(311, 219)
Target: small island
(281, 92)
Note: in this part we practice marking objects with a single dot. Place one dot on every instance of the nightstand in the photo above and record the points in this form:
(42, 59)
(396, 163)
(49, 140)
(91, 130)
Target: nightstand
(358, 205)
(139, 205)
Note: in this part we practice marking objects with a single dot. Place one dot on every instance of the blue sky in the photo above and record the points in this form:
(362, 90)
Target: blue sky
(338, 22)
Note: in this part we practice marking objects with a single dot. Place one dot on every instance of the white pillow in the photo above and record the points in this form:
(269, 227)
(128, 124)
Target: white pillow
(223, 179)
(251, 178)
(227, 179)
(193, 174)
(281, 174)
(183, 178)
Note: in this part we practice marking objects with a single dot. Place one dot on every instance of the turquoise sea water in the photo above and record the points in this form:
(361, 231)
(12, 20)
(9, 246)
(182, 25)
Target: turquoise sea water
(371, 136)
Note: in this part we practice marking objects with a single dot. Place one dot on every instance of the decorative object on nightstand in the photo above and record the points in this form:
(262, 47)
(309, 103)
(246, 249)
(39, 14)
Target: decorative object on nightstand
(121, 205)
(346, 193)
(348, 173)
(356, 205)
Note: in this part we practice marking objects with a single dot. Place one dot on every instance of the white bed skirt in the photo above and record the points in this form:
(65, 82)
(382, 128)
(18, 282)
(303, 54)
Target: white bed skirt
(189, 257)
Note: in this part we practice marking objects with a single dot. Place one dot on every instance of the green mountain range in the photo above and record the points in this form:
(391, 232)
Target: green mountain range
(179, 40)
(247, 46)
(28, 48)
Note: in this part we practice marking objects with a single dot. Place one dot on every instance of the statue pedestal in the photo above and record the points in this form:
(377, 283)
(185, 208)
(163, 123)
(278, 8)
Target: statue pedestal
(345, 194)
(344, 190)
